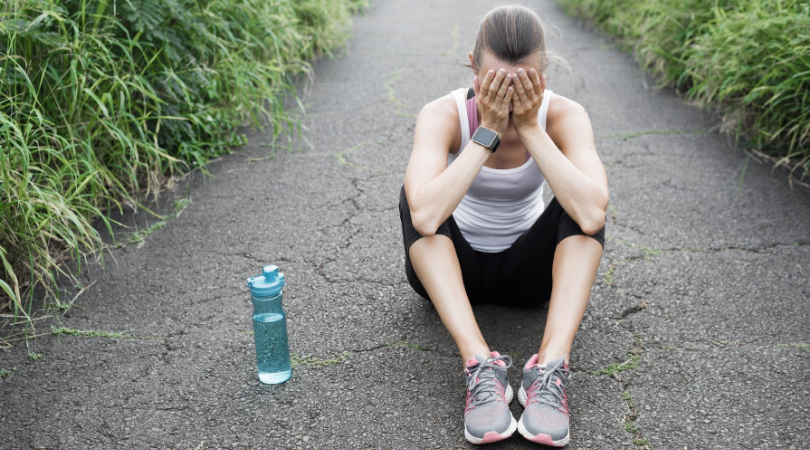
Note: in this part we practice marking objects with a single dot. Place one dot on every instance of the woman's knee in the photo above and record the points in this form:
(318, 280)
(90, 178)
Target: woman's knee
(432, 245)
(567, 226)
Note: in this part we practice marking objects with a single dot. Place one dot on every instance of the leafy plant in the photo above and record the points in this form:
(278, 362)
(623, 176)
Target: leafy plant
(749, 60)
(102, 102)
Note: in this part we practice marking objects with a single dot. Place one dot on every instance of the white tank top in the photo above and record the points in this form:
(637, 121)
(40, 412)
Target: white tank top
(501, 203)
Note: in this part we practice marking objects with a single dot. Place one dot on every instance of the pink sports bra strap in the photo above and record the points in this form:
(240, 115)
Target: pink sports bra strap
(472, 116)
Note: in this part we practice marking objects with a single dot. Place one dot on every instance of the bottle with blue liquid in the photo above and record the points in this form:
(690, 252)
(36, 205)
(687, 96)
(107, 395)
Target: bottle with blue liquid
(270, 326)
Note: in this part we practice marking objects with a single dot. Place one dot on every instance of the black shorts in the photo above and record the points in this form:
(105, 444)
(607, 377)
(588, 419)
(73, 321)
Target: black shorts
(519, 275)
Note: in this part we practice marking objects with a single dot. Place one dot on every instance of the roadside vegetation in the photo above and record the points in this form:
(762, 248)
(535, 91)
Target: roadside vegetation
(104, 102)
(749, 60)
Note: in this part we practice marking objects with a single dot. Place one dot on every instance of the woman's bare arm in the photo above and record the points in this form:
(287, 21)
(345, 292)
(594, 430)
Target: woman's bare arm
(433, 188)
(573, 171)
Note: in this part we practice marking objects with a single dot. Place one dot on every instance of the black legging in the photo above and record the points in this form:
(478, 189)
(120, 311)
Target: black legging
(519, 275)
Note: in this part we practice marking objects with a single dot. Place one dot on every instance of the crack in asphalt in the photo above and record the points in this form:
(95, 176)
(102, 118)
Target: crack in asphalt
(631, 416)
(633, 310)
(627, 136)
(760, 249)
(649, 252)
(612, 371)
(345, 355)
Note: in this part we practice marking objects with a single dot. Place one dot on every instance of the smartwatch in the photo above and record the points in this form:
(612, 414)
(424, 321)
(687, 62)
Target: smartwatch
(487, 138)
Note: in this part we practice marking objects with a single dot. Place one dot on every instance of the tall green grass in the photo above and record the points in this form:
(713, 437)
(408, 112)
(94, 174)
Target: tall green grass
(103, 101)
(747, 59)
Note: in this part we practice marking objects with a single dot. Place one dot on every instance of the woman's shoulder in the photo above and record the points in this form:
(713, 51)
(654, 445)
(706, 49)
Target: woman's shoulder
(442, 107)
(564, 115)
(560, 107)
(441, 116)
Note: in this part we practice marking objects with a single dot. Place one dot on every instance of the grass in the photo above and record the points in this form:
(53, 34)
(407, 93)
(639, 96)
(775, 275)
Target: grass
(343, 161)
(103, 103)
(389, 88)
(296, 360)
(634, 358)
(608, 276)
(629, 421)
(59, 331)
(139, 236)
(614, 368)
(798, 346)
(749, 60)
(6, 372)
(400, 108)
(643, 443)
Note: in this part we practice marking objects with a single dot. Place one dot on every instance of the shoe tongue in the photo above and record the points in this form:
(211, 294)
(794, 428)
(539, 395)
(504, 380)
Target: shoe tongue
(559, 362)
(474, 361)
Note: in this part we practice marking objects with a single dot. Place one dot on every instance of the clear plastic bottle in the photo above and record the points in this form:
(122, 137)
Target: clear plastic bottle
(270, 326)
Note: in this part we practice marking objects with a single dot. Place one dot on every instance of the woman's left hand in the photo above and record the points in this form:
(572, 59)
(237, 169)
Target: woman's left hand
(527, 98)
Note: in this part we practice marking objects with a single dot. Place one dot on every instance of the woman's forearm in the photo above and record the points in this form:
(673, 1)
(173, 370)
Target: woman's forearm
(581, 197)
(436, 200)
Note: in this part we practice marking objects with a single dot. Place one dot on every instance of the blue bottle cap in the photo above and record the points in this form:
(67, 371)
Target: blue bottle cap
(267, 284)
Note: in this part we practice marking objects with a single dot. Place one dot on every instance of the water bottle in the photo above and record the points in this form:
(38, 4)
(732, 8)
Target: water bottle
(270, 326)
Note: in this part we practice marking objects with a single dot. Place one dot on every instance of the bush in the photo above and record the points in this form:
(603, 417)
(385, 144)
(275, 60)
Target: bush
(102, 101)
(749, 59)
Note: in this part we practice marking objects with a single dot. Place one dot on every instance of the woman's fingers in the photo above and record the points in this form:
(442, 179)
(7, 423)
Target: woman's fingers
(507, 99)
(527, 85)
(484, 88)
(520, 87)
(502, 90)
(538, 86)
(494, 87)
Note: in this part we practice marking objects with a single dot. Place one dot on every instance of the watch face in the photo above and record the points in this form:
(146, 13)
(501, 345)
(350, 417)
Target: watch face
(484, 137)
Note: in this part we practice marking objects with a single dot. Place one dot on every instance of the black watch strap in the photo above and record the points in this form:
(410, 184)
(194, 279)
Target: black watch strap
(487, 138)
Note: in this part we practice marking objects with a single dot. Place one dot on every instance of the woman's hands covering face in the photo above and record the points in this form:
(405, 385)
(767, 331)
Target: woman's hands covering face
(523, 91)
(527, 99)
(492, 96)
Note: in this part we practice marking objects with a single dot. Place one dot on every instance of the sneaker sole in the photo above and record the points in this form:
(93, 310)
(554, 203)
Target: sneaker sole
(494, 436)
(542, 438)
(538, 438)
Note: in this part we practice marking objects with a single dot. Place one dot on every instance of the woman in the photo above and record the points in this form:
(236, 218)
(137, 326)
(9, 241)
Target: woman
(476, 229)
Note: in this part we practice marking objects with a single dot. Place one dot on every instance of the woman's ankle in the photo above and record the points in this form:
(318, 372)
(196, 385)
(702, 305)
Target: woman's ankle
(473, 349)
(548, 354)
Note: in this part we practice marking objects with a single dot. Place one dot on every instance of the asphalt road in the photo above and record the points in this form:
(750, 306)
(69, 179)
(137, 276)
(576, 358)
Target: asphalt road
(702, 291)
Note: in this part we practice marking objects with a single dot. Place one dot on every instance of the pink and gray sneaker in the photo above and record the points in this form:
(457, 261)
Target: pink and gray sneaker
(486, 416)
(542, 393)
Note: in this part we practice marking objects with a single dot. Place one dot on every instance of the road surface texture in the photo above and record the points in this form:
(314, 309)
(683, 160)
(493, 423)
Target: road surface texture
(695, 337)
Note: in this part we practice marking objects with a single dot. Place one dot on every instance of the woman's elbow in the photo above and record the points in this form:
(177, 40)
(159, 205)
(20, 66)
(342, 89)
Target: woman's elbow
(596, 217)
(594, 223)
(592, 228)
(423, 225)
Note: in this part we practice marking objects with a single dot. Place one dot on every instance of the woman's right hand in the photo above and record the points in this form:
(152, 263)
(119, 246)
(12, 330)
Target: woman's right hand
(493, 96)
